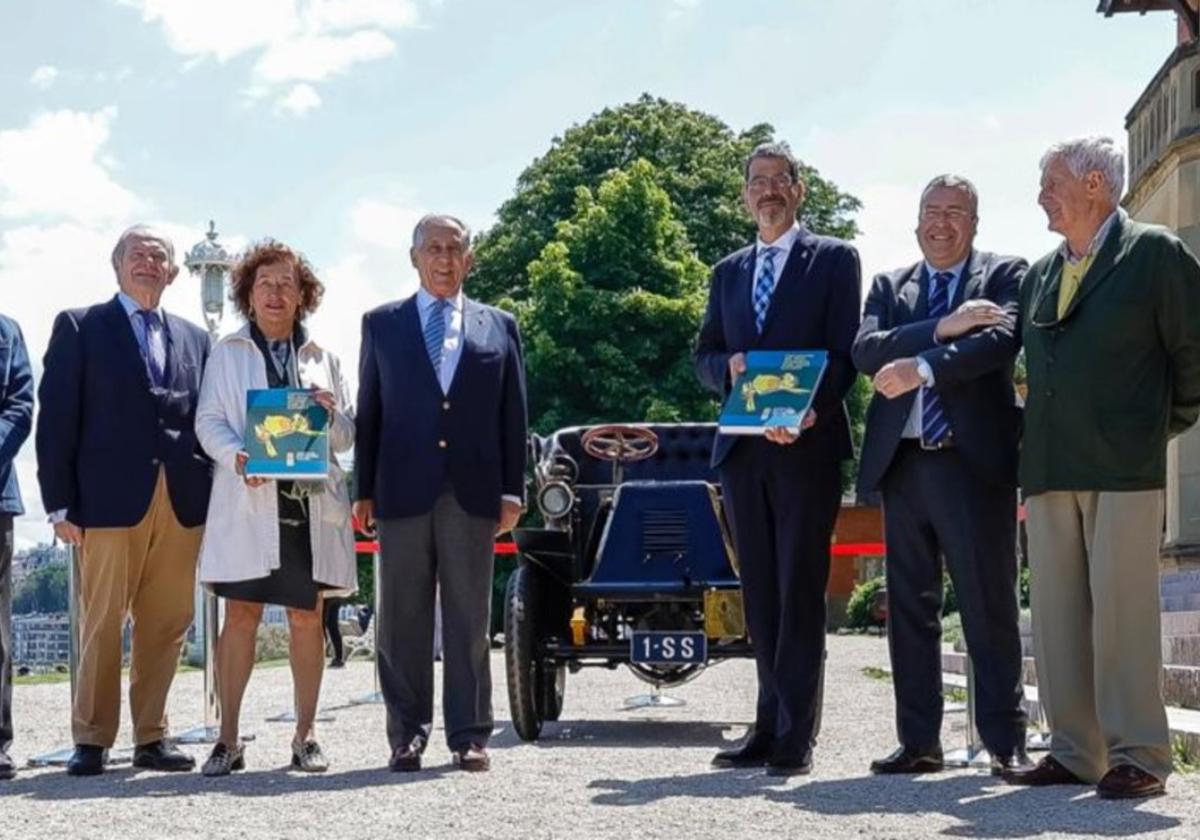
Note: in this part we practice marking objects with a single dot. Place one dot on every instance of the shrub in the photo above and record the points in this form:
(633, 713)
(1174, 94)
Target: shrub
(862, 609)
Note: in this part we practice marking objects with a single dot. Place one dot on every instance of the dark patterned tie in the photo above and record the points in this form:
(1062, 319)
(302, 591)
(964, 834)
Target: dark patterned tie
(934, 425)
(763, 287)
(156, 349)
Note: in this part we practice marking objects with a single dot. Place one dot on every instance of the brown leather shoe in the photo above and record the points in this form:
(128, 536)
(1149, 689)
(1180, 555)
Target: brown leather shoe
(1128, 782)
(1046, 772)
(472, 758)
(406, 758)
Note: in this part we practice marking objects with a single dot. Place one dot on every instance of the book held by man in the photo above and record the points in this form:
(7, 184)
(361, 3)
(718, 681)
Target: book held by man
(775, 391)
(287, 434)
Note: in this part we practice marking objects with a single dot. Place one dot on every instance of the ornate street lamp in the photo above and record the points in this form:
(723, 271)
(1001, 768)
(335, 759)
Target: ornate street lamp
(211, 263)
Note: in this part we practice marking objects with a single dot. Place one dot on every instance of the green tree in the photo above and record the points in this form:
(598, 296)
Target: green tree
(612, 308)
(695, 158)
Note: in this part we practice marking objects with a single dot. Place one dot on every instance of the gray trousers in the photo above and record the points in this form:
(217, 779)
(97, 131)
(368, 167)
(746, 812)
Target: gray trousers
(450, 549)
(6, 640)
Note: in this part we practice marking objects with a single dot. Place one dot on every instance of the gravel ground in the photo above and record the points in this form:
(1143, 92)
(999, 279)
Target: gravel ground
(600, 772)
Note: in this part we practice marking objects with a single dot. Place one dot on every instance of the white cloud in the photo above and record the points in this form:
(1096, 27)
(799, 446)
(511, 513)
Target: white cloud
(53, 167)
(43, 76)
(298, 101)
(295, 40)
(316, 57)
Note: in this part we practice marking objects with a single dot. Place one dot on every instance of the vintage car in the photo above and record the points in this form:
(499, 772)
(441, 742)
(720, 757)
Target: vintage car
(634, 565)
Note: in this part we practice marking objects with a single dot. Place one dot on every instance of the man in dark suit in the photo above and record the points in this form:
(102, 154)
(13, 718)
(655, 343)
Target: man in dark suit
(16, 418)
(123, 479)
(941, 444)
(791, 290)
(440, 466)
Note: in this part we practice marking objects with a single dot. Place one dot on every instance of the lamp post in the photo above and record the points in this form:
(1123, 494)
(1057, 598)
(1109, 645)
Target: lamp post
(210, 263)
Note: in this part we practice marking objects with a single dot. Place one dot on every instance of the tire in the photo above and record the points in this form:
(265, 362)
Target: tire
(552, 684)
(520, 653)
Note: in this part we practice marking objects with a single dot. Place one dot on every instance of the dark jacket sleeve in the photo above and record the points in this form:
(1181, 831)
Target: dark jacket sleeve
(514, 416)
(971, 356)
(1179, 329)
(841, 324)
(367, 420)
(58, 427)
(711, 355)
(16, 413)
(879, 341)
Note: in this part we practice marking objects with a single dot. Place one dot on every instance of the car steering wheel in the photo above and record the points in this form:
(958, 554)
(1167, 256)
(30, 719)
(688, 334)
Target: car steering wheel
(620, 444)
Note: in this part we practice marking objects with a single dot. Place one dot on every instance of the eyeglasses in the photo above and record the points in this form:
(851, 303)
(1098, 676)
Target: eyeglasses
(286, 289)
(780, 182)
(952, 214)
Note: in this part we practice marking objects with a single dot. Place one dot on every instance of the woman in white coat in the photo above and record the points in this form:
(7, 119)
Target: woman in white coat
(272, 542)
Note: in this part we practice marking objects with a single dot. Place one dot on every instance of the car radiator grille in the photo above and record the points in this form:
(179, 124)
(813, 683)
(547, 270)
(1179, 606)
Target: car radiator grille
(664, 532)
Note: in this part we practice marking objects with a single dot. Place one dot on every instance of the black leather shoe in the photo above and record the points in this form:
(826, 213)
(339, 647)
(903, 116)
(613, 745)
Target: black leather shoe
(159, 755)
(790, 765)
(7, 768)
(87, 760)
(905, 760)
(753, 752)
(1013, 762)
(406, 758)
(1046, 772)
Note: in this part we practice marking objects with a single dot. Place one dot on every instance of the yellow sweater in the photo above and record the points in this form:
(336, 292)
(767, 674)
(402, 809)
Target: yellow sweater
(1072, 277)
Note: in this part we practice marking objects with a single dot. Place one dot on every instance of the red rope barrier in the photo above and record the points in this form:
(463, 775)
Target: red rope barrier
(509, 548)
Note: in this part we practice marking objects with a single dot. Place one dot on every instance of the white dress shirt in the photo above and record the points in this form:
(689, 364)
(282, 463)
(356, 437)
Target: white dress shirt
(912, 429)
(783, 249)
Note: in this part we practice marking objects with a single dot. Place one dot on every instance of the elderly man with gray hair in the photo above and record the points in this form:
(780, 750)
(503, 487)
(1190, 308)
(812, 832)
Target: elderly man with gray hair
(440, 467)
(1111, 327)
(125, 481)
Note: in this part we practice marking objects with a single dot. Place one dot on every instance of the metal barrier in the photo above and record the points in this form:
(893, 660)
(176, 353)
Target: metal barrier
(59, 757)
(974, 754)
(375, 696)
(210, 729)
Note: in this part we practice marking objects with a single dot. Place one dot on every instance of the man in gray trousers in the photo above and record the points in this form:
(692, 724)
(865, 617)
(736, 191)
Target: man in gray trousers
(16, 419)
(440, 465)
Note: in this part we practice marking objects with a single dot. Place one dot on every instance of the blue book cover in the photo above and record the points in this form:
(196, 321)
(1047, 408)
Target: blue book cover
(775, 390)
(287, 434)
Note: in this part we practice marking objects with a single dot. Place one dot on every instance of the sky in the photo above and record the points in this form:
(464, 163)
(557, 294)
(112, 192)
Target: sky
(333, 125)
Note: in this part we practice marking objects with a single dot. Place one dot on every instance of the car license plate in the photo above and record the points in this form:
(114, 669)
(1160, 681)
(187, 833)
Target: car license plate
(662, 647)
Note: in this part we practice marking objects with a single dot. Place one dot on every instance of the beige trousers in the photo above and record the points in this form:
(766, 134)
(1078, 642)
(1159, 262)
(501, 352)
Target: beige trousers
(147, 572)
(1095, 598)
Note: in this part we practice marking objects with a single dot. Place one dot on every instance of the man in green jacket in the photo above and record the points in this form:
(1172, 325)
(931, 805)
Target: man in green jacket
(1111, 327)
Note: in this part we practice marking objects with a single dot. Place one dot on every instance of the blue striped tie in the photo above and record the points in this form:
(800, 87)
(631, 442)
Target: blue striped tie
(763, 287)
(435, 334)
(934, 425)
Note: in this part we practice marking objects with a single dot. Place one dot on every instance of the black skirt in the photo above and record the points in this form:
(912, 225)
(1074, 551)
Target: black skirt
(292, 584)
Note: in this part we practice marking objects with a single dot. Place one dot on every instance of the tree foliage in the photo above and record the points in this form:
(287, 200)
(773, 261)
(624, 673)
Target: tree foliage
(604, 253)
(696, 160)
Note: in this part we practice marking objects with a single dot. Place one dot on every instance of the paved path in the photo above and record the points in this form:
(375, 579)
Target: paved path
(600, 772)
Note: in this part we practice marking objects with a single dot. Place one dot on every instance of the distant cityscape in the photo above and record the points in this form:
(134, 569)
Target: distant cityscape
(41, 636)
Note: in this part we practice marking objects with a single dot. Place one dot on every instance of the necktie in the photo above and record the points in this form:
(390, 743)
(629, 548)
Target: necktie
(435, 334)
(156, 351)
(934, 425)
(763, 287)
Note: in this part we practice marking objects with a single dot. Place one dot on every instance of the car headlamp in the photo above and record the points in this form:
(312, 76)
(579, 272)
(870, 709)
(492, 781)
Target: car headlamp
(555, 499)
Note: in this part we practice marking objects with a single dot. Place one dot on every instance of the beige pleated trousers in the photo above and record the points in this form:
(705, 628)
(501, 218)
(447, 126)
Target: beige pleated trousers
(147, 572)
(1097, 631)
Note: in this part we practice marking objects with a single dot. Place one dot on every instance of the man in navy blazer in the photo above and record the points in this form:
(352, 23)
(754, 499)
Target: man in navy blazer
(124, 479)
(440, 466)
(791, 290)
(939, 337)
(16, 419)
